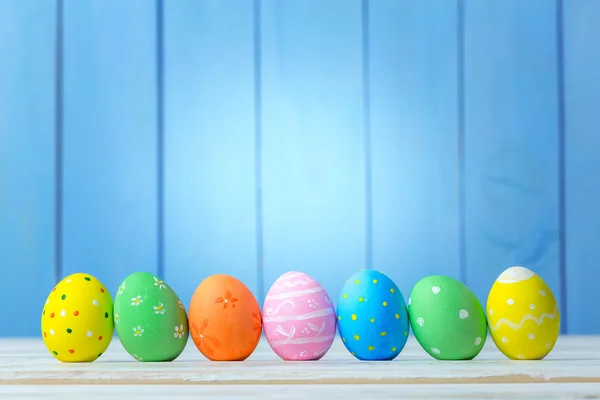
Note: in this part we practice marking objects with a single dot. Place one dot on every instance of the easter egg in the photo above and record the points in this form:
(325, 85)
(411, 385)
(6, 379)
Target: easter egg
(224, 317)
(150, 320)
(523, 315)
(298, 318)
(372, 316)
(447, 319)
(77, 319)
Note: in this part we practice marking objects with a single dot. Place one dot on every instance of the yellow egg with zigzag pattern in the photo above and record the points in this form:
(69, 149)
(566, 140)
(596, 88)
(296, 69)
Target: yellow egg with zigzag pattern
(523, 315)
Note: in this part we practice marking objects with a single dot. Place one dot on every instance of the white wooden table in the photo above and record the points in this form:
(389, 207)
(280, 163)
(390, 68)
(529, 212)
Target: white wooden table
(571, 371)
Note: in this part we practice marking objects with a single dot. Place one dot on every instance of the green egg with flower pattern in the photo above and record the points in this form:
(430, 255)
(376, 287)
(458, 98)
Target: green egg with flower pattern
(150, 319)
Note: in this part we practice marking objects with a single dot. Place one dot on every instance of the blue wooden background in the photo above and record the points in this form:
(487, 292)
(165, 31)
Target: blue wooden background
(190, 137)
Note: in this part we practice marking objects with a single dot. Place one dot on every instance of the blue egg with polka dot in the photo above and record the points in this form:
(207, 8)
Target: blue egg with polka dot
(372, 316)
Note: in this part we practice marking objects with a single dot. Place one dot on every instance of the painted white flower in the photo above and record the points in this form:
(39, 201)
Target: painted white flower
(159, 309)
(306, 331)
(121, 289)
(303, 353)
(312, 303)
(136, 301)
(116, 318)
(181, 305)
(137, 331)
(179, 332)
(159, 283)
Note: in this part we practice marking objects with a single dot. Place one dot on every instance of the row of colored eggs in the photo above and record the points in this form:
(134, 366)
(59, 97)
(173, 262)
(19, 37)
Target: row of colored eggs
(299, 319)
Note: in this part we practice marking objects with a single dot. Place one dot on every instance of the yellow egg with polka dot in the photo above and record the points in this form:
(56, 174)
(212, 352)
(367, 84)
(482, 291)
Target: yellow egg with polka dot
(77, 321)
(523, 315)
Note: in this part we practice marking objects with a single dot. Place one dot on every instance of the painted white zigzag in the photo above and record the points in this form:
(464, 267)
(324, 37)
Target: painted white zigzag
(525, 318)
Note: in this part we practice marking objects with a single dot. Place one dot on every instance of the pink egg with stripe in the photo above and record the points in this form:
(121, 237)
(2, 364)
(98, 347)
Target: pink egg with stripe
(299, 318)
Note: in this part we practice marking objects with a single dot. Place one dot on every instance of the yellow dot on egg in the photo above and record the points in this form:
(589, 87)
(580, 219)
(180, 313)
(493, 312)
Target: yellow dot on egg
(356, 337)
(375, 280)
(353, 317)
(345, 296)
(385, 303)
(339, 317)
(383, 333)
(353, 353)
(356, 282)
(371, 348)
(397, 316)
(393, 290)
(405, 333)
(393, 349)
(344, 339)
(361, 299)
(372, 319)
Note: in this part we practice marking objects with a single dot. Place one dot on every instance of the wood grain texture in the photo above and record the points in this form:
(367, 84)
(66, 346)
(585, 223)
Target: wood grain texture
(511, 141)
(292, 392)
(109, 181)
(582, 162)
(572, 370)
(209, 187)
(27, 161)
(312, 137)
(414, 133)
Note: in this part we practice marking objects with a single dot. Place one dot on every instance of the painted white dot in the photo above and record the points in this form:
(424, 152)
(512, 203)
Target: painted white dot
(491, 312)
(409, 300)
(52, 332)
(63, 313)
(420, 321)
(531, 336)
(510, 302)
(542, 293)
(89, 333)
(435, 289)
(477, 341)
(548, 345)
(463, 314)
(504, 340)
(69, 280)
(435, 351)
(95, 302)
(532, 306)
(520, 357)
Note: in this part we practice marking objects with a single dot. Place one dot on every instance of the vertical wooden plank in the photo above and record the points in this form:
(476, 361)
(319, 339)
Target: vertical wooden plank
(27, 156)
(582, 162)
(312, 135)
(209, 143)
(109, 178)
(511, 141)
(414, 126)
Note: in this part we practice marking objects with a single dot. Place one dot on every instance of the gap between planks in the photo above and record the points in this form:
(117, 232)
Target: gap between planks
(511, 379)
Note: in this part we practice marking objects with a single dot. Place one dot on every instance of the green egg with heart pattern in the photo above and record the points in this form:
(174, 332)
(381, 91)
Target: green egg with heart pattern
(150, 319)
(447, 319)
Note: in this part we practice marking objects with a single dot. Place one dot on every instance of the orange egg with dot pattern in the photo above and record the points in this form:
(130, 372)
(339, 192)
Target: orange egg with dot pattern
(224, 319)
(77, 321)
